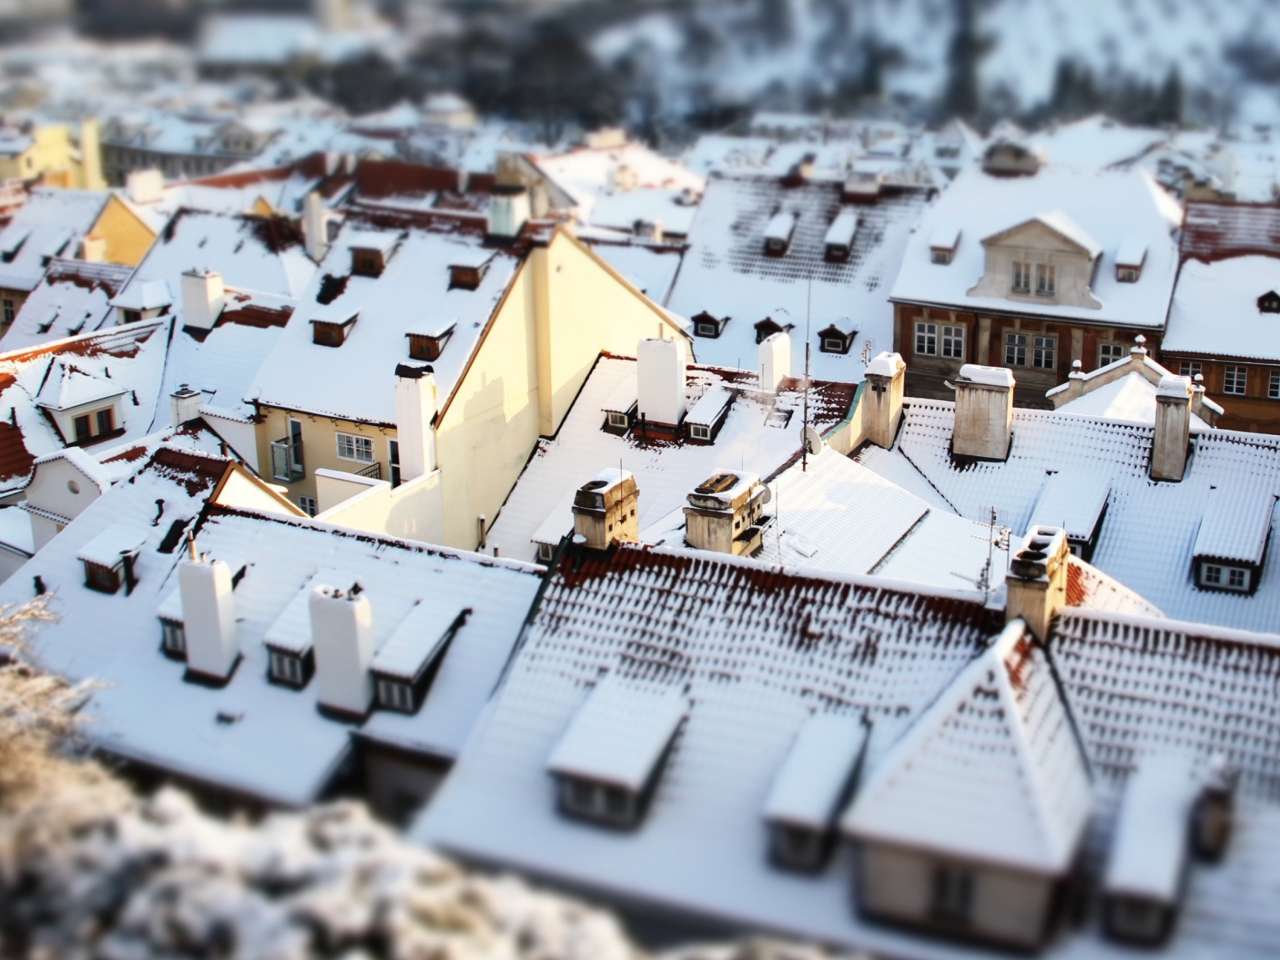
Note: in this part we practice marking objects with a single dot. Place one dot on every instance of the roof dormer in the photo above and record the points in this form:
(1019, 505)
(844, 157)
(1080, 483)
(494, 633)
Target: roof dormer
(1231, 544)
(332, 332)
(1129, 260)
(428, 337)
(834, 340)
(110, 559)
(943, 243)
(838, 243)
(705, 325)
(1269, 302)
(371, 251)
(777, 234)
(467, 268)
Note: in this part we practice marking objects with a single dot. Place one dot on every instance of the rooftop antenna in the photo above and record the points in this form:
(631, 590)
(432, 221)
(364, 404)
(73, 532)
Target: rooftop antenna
(804, 431)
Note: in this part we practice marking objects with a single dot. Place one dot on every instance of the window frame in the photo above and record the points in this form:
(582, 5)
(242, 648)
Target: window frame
(1044, 352)
(1106, 347)
(951, 895)
(1127, 274)
(953, 344)
(357, 440)
(699, 431)
(396, 695)
(1046, 280)
(1233, 376)
(1273, 385)
(926, 333)
(940, 256)
(1190, 368)
(617, 421)
(105, 420)
(85, 435)
(1015, 349)
(1225, 576)
(308, 505)
(1021, 276)
(10, 309)
(173, 638)
(286, 668)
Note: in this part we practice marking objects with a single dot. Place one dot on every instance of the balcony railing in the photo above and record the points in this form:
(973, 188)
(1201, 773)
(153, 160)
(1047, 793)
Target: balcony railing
(372, 471)
(286, 460)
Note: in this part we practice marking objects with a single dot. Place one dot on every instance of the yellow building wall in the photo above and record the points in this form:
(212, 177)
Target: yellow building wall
(63, 159)
(127, 238)
(319, 446)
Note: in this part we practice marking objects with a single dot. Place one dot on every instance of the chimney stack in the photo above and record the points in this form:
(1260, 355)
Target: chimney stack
(508, 211)
(208, 617)
(144, 186)
(1037, 579)
(315, 226)
(1173, 428)
(660, 381)
(342, 636)
(415, 419)
(882, 398)
(721, 513)
(984, 412)
(605, 510)
(203, 296)
(184, 404)
(775, 361)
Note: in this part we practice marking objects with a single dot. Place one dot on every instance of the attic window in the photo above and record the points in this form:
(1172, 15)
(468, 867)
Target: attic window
(130, 316)
(291, 669)
(466, 276)
(367, 262)
(1231, 546)
(766, 328)
(699, 431)
(777, 234)
(1129, 260)
(838, 243)
(110, 559)
(620, 422)
(331, 333)
(1269, 302)
(705, 325)
(425, 346)
(173, 639)
(835, 340)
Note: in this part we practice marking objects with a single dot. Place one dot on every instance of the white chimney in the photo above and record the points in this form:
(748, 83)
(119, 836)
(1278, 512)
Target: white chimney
(342, 636)
(660, 380)
(144, 186)
(1173, 428)
(184, 404)
(984, 412)
(508, 211)
(415, 413)
(208, 617)
(775, 361)
(203, 296)
(315, 226)
(882, 399)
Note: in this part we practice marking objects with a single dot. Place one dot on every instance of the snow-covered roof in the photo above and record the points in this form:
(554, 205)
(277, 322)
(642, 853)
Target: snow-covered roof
(67, 386)
(1045, 441)
(1130, 398)
(749, 441)
(944, 237)
(1073, 500)
(606, 179)
(51, 223)
(991, 771)
(112, 544)
(144, 295)
(619, 733)
(1100, 209)
(355, 380)
(818, 770)
(419, 638)
(291, 630)
(1150, 846)
(1215, 309)
(727, 274)
(1060, 223)
(1236, 524)
(650, 269)
(72, 297)
(842, 228)
(1132, 253)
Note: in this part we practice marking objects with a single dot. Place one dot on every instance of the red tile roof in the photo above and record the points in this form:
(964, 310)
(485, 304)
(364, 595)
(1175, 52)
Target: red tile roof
(1214, 230)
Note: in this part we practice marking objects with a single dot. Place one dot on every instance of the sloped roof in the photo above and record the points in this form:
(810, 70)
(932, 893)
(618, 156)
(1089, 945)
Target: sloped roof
(1235, 525)
(68, 386)
(991, 771)
(1060, 223)
(1214, 230)
(49, 224)
(72, 297)
(1215, 308)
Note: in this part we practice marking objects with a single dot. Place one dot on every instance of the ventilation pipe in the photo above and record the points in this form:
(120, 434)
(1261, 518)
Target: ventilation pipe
(984, 412)
(1173, 428)
(661, 381)
(415, 419)
(203, 296)
(882, 399)
(775, 361)
(208, 616)
(342, 636)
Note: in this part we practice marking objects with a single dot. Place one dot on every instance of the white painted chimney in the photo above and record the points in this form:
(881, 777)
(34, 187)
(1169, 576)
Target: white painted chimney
(415, 412)
(984, 412)
(1173, 428)
(184, 404)
(144, 186)
(775, 361)
(660, 380)
(209, 617)
(508, 211)
(203, 296)
(342, 636)
(315, 226)
(882, 399)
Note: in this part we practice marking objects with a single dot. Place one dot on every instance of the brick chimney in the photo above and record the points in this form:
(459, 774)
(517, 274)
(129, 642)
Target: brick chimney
(882, 398)
(660, 380)
(775, 361)
(605, 510)
(721, 513)
(1173, 428)
(415, 415)
(984, 412)
(342, 636)
(1037, 579)
(208, 617)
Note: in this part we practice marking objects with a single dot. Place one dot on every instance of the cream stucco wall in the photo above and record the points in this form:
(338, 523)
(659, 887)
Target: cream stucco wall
(127, 239)
(320, 446)
(412, 511)
(1036, 244)
(58, 487)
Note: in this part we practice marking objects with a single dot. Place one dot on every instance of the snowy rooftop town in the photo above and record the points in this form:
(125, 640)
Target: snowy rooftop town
(575, 479)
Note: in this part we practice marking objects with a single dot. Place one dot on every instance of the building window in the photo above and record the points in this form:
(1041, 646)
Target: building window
(1046, 280)
(395, 695)
(1021, 277)
(174, 638)
(10, 309)
(353, 447)
(546, 552)
(82, 428)
(393, 461)
(927, 339)
(1224, 577)
(952, 894)
(308, 505)
(1042, 355)
(940, 256)
(131, 316)
(100, 578)
(1110, 353)
(1234, 380)
(832, 345)
(618, 421)
(953, 343)
(1015, 349)
(708, 330)
(797, 847)
(1127, 274)
(1189, 369)
(1273, 385)
(286, 668)
(598, 801)
(106, 422)
(699, 432)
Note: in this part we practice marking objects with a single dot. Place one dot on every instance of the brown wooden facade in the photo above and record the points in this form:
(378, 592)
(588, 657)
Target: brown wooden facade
(1257, 409)
(1046, 347)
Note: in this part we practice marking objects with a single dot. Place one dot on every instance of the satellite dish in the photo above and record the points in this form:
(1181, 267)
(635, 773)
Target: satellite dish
(812, 441)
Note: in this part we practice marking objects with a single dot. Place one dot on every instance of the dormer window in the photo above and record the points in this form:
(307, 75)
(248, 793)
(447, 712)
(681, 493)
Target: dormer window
(332, 333)
(1046, 280)
(766, 328)
(407, 663)
(838, 243)
(291, 669)
(425, 345)
(130, 316)
(1269, 302)
(942, 245)
(1129, 260)
(1231, 545)
(777, 234)
(835, 340)
(110, 559)
(367, 262)
(705, 325)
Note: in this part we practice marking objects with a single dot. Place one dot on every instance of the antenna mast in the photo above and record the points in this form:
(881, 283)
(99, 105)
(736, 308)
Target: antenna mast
(804, 431)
